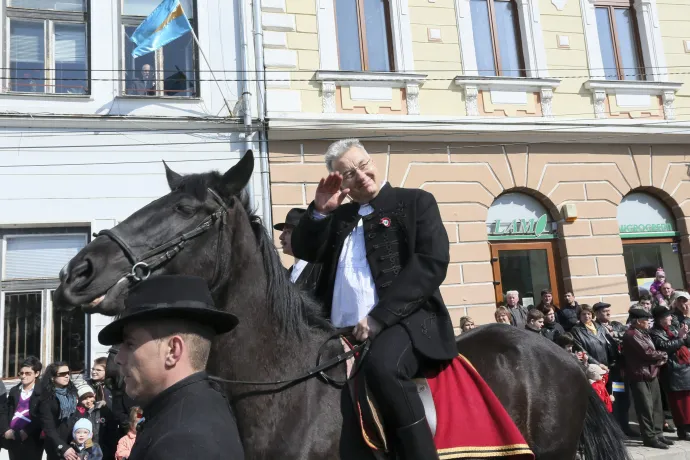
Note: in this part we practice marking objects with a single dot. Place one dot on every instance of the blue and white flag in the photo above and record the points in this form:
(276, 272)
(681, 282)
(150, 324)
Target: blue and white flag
(166, 23)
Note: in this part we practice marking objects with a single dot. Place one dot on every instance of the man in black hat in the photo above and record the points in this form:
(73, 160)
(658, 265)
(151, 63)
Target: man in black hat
(302, 273)
(616, 384)
(166, 332)
(642, 363)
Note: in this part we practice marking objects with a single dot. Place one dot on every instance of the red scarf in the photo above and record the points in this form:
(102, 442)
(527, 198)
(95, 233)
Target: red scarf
(683, 354)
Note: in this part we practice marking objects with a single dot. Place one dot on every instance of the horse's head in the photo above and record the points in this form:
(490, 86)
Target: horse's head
(179, 233)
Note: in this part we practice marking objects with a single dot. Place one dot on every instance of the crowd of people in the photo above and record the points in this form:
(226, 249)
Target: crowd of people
(68, 418)
(645, 360)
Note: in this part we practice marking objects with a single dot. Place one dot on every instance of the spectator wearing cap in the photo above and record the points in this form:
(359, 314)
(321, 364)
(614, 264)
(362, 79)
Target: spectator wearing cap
(675, 375)
(97, 412)
(518, 313)
(166, 331)
(593, 338)
(567, 314)
(642, 363)
(301, 273)
(680, 308)
(659, 280)
(615, 382)
(551, 330)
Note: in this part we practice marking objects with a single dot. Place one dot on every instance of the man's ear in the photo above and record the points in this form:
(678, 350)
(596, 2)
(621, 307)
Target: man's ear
(176, 349)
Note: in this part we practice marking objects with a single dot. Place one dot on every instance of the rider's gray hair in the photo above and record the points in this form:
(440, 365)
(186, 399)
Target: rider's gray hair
(338, 148)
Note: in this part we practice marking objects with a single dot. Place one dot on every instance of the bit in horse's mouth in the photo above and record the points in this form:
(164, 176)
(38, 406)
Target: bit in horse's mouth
(95, 302)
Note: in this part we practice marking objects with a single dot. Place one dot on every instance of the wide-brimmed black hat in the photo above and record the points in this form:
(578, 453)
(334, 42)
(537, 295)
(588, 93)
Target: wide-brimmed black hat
(660, 312)
(173, 297)
(292, 218)
(639, 313)
(600, 305)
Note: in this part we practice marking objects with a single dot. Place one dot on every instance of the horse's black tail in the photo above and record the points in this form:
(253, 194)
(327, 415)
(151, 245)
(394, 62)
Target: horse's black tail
(602, 438)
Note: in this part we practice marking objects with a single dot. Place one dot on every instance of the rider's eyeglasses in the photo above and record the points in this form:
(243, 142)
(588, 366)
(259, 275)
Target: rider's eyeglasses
(62, 374)
(351, 173)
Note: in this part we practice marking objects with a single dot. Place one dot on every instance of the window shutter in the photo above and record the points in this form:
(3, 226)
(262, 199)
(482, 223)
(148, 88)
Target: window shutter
(56, 5)
(70, 43)
(27, 42)
(40, 256)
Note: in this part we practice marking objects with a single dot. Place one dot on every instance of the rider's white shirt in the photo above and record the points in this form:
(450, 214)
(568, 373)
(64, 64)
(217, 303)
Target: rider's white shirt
(297, 269)
(354, 293)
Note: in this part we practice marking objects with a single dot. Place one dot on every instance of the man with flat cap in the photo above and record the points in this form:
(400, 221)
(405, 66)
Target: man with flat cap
(166, 332)
(303, 274)
(642, 363)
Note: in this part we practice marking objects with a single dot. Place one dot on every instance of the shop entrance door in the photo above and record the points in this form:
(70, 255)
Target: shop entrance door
(524, 267)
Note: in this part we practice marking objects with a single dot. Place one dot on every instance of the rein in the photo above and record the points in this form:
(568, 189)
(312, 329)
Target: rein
(144, 264)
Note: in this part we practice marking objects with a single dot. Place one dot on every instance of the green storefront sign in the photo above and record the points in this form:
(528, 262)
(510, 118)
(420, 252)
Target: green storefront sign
(539, 228)
(646, 228)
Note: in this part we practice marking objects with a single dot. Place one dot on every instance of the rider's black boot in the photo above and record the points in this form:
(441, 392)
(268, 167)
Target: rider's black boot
(415, 442)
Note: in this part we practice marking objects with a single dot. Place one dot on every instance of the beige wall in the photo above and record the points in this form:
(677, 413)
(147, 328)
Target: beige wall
(465, 180)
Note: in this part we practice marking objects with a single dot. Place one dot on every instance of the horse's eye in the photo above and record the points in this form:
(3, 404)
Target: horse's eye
(185, 210)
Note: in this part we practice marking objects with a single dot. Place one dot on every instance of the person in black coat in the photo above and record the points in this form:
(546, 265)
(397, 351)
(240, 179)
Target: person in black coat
(567, 313)
(551, 330)
(57, 403)
(384, 256)
(23, 436)
(593, 338)
(301, 273)
(186, 415)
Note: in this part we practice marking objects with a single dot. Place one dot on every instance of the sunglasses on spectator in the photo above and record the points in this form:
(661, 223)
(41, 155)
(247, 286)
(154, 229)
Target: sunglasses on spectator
(62, 374)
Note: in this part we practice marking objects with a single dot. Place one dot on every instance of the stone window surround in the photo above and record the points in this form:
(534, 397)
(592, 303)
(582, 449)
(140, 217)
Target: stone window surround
(472, 84)
(600, 89)
(647, 18)
(331, 78)
(401, 35)
(531, 38)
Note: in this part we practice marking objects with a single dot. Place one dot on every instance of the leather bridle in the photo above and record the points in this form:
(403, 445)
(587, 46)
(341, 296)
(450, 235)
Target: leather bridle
(143, 264)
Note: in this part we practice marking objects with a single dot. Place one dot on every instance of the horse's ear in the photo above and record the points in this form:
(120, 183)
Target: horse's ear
(172, 176)
(237, 177)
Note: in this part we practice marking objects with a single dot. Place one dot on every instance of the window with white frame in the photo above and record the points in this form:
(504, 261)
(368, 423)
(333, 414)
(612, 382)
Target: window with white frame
(364, 35)
(619, 40)
(30, 326)
(48, 46)
(169, 71)
(496, 31)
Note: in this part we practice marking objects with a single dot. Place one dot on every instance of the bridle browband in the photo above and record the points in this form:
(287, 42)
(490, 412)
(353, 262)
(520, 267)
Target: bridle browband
(144, 264)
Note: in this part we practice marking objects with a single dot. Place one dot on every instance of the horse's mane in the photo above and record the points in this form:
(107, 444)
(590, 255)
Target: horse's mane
(294, 310)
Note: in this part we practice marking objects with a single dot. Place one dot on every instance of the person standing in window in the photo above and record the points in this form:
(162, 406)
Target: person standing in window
(144, 86)
(23, 439)
(58, 401)
(518, 313)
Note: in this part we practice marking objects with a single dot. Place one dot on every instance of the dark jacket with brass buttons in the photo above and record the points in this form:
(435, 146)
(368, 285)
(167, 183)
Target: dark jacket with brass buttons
(408, 253)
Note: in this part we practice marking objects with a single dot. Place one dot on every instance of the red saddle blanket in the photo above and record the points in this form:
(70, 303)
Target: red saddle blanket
(471, 421)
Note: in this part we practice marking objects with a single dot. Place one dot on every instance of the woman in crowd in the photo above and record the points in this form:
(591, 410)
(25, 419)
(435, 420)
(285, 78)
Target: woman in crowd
(675, 375)
(593, 338)
(466, 324)
(502, 315)
(551, 330)
(97, 381)
(23, 438)
(57, 403)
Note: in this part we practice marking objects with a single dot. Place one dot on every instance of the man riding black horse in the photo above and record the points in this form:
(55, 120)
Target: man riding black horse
(384, 256)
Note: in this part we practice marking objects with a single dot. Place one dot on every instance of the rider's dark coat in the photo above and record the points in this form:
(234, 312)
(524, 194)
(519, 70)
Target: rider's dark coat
(408, 253)
(189, 420)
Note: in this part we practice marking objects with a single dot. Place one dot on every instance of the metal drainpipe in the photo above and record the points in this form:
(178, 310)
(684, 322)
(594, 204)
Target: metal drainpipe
(246, 91)
(261, 109)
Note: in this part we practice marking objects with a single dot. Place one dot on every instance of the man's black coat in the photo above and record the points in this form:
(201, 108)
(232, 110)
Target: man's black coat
(189, 420)
(309, 278)
(408, 253)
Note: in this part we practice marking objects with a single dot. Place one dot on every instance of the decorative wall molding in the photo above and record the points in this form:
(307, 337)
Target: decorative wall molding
(328, 96)
(546, 98)
(412, 96)
(667, 98)
(601, 88)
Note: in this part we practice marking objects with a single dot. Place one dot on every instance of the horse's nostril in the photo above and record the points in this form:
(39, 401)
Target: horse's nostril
(63, 272)
(81, 271)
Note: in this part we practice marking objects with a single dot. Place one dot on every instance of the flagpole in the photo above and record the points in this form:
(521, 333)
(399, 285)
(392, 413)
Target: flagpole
(201, 50)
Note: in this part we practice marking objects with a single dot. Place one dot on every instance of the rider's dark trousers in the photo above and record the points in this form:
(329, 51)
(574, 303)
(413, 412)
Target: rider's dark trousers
(389, 367)
(647, 399)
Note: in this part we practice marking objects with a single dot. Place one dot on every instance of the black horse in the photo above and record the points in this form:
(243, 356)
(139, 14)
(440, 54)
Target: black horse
(204, 227)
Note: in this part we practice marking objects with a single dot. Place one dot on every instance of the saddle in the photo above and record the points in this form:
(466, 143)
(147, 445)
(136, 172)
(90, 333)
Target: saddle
(465, 417)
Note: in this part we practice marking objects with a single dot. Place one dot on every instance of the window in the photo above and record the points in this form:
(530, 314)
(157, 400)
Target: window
(364, 35)
(31, 261)
(169, 71)
(644, 256)
(48, 46)
(618, 39)
(496, 31)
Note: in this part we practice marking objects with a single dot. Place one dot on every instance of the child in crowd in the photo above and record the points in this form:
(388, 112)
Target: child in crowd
(85, 448)
(567, 342)
(598, 378)
(88, 408)
(655, 288)
(124, 446)
(535, 321)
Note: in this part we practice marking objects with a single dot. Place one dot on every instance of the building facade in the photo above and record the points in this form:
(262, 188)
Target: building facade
(83, 130)
(554, 134)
